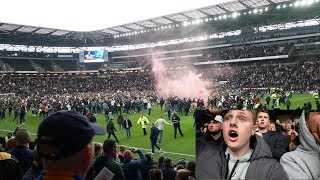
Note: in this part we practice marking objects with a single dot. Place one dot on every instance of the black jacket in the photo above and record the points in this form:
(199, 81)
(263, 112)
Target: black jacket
(262, 166)
(276, 144)
(168, 172)
(110, 127)
(154, 133)
(124, 124)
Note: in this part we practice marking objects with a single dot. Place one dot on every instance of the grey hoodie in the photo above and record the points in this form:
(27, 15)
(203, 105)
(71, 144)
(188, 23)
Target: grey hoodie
(261, 166)
(304, 162)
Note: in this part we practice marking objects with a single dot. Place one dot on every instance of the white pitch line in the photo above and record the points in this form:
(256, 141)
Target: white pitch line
(162, 152)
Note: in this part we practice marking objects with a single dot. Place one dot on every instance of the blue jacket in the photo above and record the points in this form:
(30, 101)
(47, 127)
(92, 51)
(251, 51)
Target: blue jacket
(154, 133)
(131, 167)
(276, 144)
(24, 155)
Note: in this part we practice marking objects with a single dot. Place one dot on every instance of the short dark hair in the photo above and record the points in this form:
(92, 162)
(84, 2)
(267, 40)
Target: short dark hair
(167, 161)
(155, 174)
(160, 160)
(148, 157)
(109, 145)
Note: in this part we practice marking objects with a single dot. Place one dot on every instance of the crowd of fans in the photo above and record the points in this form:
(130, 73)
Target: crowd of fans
(268, 149)
(52, 154)
(248, 51)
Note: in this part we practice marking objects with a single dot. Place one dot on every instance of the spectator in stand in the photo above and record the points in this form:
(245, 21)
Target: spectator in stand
(149, 165)
(21, 150)
(160, 162)
(121, 151)
(35, 169)
(132, 167)
(273, 139)
(303, 163)
(168, 171)
(155, 174)
(98, 149)
(107, 160)
(191, 167)
(62, 159)
(244, 155)
(183, 174)
(10, 168)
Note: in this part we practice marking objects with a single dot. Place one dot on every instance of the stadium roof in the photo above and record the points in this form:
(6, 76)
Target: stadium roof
(33, 35)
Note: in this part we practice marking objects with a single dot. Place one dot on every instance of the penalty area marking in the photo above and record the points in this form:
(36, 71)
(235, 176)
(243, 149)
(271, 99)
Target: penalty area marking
(162, 152)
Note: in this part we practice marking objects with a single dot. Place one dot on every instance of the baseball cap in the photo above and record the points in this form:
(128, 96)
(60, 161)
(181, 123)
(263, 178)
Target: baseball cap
(218, 118)
(64, 133)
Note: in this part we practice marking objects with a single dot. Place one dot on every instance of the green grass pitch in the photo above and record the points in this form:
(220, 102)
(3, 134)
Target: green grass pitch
(182, 147)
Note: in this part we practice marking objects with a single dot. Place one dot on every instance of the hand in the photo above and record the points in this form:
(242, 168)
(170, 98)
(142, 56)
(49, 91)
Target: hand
(134, 150)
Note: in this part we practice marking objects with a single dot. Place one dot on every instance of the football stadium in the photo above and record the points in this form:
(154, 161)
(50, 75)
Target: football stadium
(144, 77)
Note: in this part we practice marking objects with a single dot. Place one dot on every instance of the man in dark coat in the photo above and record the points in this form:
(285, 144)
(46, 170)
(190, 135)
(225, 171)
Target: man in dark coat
(111, 129)
(272, 138)
(176, 124)
(154, 137)
(168, 171)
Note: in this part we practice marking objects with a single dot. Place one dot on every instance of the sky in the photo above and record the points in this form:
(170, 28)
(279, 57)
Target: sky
(92, 15)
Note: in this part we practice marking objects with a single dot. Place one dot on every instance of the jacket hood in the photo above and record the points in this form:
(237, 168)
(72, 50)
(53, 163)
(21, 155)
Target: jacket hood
(307, 141)
(260, 148)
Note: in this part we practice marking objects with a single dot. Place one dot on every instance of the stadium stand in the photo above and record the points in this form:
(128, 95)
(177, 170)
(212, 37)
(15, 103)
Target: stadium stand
(270, 51)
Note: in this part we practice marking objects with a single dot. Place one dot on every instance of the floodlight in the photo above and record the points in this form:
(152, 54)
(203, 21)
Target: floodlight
(244, 13)
(206, 20)
(255, 11)
(215, 18)
(197, 21)
(185, 23)
(266, 9)
(177, 25)
(250, 12)
(284, 6)
(234, 14)
(162, 27)
(303, 3)
(260, 10)
(224, 16)
(220, 17)
(278, 7)
(290, 5)
(297, 3)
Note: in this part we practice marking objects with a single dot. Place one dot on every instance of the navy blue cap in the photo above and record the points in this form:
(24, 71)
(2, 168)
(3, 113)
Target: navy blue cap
(64, 133)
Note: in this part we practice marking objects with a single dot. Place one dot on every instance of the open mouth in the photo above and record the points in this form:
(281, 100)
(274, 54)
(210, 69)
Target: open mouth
(233, 134)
